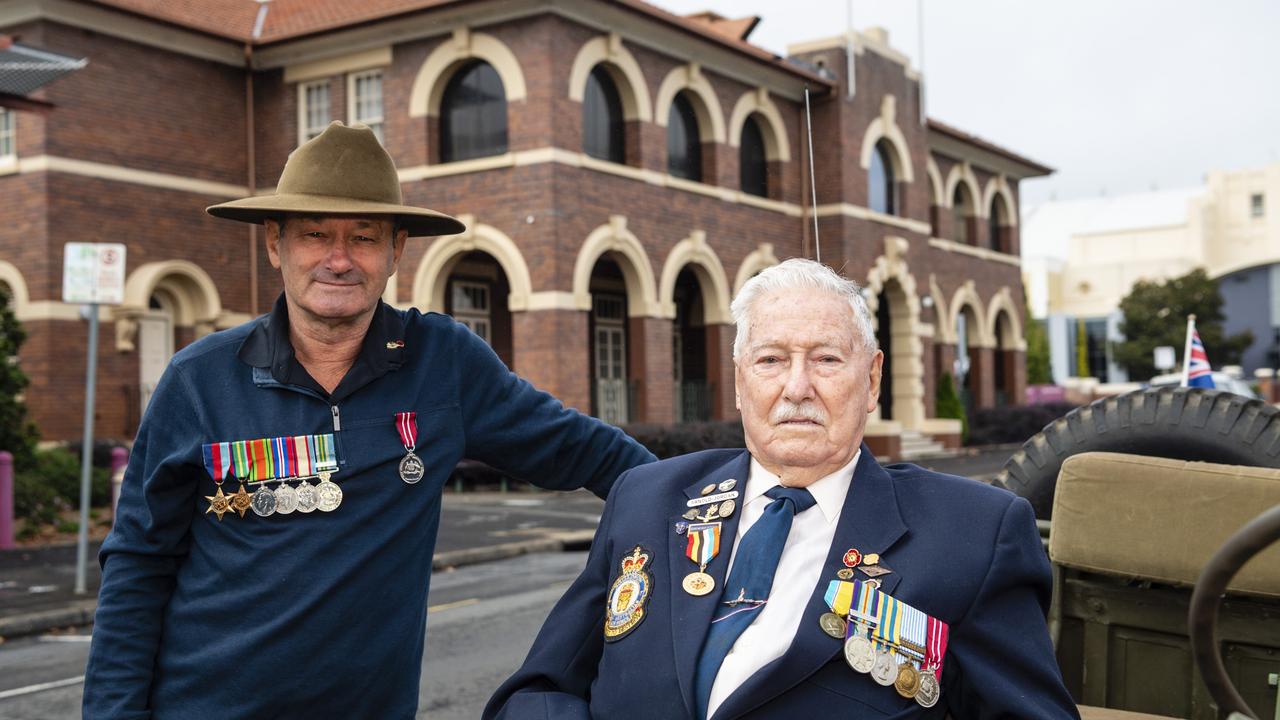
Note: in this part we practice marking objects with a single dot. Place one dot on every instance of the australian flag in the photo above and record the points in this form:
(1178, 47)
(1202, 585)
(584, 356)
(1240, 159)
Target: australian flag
(1199, 374)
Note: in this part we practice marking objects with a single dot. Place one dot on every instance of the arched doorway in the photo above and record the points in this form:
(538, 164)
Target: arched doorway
(156, 342)
(966, 363)
(1005, 361)
(893, 330)
(610, 339)
(476, 296)
(693, 399)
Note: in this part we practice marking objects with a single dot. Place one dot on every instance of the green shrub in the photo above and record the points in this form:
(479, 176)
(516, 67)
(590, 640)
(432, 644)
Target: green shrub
(53, 482)
(949, 405)
(667, 441)
(68, 526)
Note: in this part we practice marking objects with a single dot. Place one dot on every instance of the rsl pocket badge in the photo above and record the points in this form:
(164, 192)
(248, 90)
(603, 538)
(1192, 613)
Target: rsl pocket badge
(628, 596)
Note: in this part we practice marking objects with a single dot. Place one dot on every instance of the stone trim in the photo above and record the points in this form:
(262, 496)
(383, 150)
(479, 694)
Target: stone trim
(103, 171)
(370, 59)
(759, 259)
(776, 145)
(707, 106)
(614, 237)
(999, 185)
(908, 351)
(885, 127)
(862, 213)
(622, 65)
(967, 296)
(12, 276)
(981, 253)
(963, 173)
(432, 276)
(936, 184)
(433, 75)
(1002, 302)
(695, 252)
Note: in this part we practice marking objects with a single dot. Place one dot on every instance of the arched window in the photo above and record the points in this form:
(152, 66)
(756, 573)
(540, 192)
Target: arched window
(684, 149)
(473, 114)
(603, 127)
(753, 168)
(882, 186)
(962, 214)
(994, 221)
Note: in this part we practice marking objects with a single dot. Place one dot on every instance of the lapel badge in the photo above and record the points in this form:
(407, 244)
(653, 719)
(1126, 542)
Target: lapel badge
(682, 526)
(709, 489)
(875, 571)
(726, 508)
(395, 344)
(728, 485)
(690, 514)
(628, 596)
(852, 558)
(871, 559)
(845, 573)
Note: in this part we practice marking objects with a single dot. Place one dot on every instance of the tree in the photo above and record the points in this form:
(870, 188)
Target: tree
(17, 434)
(1038, 371)
(948, 404)
(1155, 314)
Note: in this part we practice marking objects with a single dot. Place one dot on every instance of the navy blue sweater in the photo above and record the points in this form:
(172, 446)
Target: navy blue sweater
(321, 614)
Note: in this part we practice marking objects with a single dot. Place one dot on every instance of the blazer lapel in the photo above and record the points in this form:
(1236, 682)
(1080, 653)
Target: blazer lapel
(871, 523)
(690, 615)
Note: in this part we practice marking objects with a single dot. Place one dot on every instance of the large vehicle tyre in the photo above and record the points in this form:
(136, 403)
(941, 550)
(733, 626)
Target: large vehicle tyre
(1169, 422)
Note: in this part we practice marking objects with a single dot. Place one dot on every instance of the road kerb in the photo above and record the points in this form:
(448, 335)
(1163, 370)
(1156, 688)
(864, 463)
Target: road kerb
(80, 612)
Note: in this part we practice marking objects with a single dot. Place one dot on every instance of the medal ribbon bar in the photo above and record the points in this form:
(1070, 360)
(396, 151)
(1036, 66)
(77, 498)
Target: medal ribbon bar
(703, 544)
(407, 426)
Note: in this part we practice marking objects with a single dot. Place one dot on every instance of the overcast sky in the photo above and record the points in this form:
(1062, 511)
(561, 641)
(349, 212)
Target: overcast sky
(1117, 95)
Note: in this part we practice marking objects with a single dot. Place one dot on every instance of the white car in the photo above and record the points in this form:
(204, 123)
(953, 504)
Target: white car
(1221, 381)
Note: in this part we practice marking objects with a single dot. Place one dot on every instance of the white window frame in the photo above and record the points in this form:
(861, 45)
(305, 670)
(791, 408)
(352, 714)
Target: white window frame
(1257, 209)
(479, 321)
(303, 118)
(8, 137)
(377, 122)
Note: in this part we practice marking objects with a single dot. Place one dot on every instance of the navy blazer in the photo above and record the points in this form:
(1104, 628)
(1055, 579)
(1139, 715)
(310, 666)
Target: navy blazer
(960, 550)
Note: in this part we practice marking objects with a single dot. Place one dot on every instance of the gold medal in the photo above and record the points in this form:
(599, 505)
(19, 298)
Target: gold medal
(908, 681)
(219, 503)
(241, 501)
(698, 583)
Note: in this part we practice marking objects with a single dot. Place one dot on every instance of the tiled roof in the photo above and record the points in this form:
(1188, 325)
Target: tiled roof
(739, 29)
(287, 19)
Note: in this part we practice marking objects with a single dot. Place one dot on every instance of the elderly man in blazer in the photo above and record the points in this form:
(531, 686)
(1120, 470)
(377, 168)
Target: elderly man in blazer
(719, 584)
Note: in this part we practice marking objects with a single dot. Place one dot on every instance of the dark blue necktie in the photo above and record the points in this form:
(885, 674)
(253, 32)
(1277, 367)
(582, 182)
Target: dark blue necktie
(749, 583)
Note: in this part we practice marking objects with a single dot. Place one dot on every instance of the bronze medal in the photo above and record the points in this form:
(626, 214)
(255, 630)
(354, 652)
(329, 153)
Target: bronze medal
(219, 503)
(833, 625)
(908, 681)
(241, 501)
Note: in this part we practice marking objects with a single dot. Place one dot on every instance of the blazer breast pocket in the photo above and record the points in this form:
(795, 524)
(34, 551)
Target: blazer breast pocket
(838, 678)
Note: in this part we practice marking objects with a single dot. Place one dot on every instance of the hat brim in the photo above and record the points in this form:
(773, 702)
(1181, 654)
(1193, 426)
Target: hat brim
(417, 221)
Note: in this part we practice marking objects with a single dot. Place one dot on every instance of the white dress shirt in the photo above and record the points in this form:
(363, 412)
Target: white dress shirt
(770, 634)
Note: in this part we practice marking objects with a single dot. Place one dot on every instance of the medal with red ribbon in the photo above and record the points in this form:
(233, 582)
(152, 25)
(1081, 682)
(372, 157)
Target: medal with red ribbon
(411, 467)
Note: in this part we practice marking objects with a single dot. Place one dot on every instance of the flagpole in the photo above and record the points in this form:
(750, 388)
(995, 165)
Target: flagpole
(1186, 350)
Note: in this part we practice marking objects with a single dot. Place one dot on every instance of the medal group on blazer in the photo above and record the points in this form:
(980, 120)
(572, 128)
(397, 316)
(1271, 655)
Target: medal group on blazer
(894, 643)
(288, 460)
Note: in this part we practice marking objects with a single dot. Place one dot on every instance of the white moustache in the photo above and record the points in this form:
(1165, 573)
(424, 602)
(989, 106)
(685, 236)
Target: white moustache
(786, 411)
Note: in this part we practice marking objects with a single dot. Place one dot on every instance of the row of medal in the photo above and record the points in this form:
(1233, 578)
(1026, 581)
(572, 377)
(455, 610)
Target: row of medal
(294, 458)
(894, 643)
(715, 503)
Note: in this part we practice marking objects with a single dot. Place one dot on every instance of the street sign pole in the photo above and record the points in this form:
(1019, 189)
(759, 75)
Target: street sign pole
(86, 451)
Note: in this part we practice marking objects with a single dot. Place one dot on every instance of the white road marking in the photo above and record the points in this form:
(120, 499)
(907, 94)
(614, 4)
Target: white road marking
(450, 606)
(65, 638)
(40, 687)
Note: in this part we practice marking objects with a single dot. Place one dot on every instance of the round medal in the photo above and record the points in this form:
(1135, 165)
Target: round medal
(908, 681)
(263, 501)
(885, 670)
(832, 625)
(286, 499)
(845, 573)
(860, 653)
(726, 508)
(411, 469)
(698, 583)
(930, 689)
(308, 498)
(330, 496)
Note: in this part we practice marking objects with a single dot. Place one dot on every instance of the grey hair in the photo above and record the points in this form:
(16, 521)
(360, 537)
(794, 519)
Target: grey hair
(800, 274)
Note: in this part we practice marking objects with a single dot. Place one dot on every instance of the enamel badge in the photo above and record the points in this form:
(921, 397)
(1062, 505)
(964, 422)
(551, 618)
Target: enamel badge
(628, 596)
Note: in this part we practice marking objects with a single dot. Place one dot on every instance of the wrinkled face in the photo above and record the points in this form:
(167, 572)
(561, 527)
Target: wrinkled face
(335, 267)
(805, 382)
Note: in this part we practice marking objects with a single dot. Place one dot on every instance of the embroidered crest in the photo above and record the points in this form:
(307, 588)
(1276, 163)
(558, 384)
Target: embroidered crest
(628, 596)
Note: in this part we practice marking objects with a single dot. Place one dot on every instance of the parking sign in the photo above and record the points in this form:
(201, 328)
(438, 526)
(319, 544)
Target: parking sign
(93, 273)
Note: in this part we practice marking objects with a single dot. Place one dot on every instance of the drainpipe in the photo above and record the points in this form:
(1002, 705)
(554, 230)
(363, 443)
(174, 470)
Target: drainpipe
(252, 150)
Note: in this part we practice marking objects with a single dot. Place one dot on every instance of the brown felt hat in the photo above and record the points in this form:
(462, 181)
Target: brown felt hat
(342, 171)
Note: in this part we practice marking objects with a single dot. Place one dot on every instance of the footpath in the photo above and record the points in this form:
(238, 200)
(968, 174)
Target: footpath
(36, 583)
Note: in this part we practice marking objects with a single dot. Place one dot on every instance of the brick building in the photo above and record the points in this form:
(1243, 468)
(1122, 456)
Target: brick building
(622, 171)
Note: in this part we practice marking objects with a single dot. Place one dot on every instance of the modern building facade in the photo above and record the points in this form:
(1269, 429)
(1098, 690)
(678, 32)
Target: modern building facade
(1105, 245)
(622, 172)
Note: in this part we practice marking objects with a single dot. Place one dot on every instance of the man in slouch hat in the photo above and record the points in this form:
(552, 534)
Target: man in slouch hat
(272, 550)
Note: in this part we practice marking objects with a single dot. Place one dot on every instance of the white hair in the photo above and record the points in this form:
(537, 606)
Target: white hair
(800, 274)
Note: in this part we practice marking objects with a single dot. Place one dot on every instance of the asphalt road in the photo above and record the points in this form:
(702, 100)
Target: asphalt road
(482, 620)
